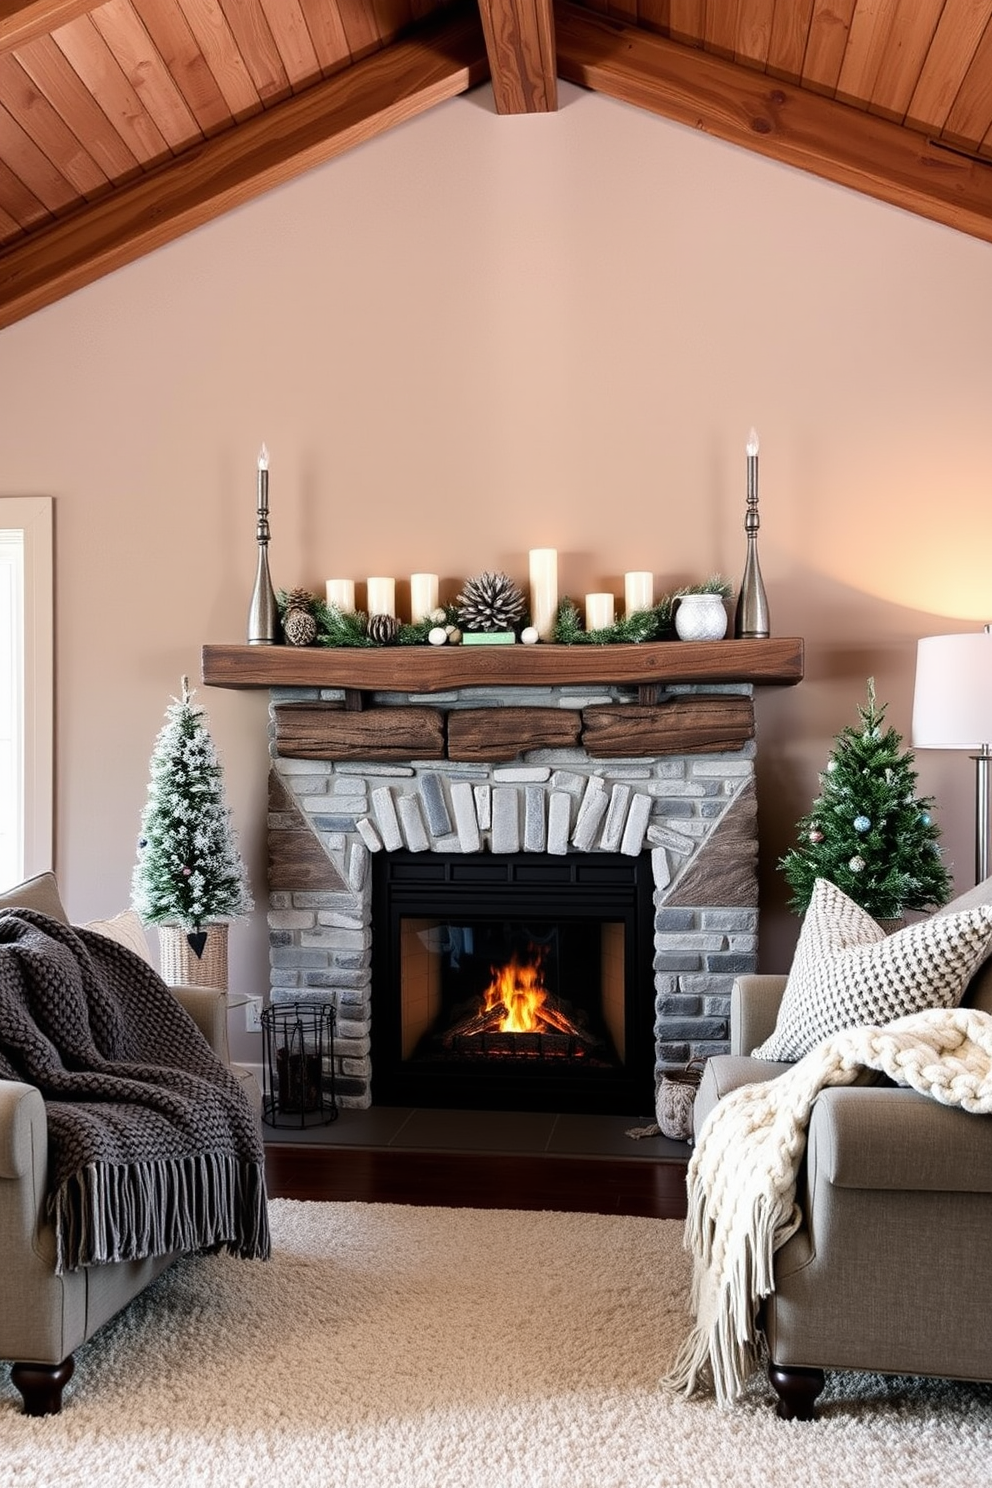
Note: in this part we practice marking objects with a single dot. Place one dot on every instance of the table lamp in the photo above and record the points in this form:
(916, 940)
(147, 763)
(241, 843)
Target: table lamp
(952, 709)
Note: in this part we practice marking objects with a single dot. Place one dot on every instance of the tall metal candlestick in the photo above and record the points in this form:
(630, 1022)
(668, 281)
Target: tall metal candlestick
(263, 612)
(751, 620)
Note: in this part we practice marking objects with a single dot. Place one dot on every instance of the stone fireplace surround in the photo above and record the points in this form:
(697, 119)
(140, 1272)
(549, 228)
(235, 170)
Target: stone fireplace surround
(694, 813)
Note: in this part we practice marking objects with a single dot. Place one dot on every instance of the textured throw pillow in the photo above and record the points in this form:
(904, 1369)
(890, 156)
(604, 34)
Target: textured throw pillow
(127, 930)
(848, 972)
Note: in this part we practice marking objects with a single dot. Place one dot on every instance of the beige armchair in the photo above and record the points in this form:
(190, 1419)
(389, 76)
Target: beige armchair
(45, 1317)
(887, 1270)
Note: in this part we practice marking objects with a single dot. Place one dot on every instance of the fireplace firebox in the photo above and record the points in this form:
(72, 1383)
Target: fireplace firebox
(519, 982)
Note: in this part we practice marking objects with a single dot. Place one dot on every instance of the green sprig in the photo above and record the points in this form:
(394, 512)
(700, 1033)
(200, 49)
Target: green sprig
(643, 625)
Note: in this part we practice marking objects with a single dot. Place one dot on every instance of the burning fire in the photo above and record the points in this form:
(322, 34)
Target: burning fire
(518, 990)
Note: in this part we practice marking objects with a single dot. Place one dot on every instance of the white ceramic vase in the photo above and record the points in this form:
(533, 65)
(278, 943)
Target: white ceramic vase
(701, 617)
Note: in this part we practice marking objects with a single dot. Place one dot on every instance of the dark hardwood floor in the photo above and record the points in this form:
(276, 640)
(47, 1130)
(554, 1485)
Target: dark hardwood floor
(480, 1160)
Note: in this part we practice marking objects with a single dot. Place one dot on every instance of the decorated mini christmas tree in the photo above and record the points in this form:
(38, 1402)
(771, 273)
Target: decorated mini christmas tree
(868, 832)
(189, 870)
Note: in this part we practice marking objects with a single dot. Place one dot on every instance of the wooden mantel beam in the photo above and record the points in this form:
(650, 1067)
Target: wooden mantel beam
(520, 40)
(382, 90)
(22, 21)
(745, 107)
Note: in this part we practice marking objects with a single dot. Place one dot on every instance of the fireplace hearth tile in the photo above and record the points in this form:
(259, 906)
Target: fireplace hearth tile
(523, 1133)
(476, 1131)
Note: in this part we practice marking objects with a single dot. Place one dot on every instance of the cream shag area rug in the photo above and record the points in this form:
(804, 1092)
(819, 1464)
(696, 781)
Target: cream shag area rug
(386, 1346)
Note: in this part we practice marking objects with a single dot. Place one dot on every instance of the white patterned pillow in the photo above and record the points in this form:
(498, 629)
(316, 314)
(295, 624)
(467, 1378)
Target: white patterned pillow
(127, 929)
(848, 972)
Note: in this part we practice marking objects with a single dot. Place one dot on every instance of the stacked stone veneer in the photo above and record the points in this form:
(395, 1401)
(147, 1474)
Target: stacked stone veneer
(694, 814)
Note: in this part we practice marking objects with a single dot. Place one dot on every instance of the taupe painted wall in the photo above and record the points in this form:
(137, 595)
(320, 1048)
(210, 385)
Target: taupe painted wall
(480, 335)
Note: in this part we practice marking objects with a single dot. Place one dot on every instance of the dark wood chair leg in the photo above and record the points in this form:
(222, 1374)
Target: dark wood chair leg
(797, 1390)
(41, 1385)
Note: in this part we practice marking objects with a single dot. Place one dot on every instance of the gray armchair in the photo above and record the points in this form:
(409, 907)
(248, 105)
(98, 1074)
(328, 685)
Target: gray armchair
(45, 1317)
(887, 1271)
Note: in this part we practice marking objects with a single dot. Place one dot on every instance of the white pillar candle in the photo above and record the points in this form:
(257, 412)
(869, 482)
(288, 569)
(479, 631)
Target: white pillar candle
(341, 594)
(423, 596)
(544, 591)
(599, 611)
(381, 595)
(638, 592)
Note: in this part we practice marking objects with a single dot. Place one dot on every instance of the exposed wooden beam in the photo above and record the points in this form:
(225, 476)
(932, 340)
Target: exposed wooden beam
(21, 22)
(520, 40)
(745, 107)
(382, 90)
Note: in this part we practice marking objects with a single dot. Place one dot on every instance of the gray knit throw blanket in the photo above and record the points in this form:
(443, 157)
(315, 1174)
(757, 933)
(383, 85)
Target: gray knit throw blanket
(152, 1144)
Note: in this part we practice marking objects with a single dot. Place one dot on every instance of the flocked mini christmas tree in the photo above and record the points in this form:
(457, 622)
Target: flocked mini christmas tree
(868, 832)
(189, 870)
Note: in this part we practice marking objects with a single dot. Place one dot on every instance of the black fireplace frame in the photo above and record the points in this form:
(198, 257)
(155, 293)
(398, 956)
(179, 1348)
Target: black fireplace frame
(621, 887)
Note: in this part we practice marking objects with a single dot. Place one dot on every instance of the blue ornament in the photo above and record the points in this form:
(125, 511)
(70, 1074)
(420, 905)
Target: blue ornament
(861, 824)
(925, 818)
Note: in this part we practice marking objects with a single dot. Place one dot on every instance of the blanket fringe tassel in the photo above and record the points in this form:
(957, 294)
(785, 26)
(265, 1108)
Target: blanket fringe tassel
(110, 1212)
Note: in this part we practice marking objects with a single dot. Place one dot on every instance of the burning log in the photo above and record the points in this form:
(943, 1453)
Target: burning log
(488, 1021)
(557, 1021)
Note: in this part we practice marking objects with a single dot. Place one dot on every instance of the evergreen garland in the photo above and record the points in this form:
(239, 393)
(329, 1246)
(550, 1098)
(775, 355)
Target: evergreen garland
(337, 628)
(643, 625)
(868, 832)
(189, 871)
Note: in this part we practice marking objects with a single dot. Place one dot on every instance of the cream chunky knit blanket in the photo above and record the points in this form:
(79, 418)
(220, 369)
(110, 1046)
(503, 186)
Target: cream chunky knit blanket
(742, 1175)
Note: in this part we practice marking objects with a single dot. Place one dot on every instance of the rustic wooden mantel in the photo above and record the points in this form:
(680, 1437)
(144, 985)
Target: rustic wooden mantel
(428, 669)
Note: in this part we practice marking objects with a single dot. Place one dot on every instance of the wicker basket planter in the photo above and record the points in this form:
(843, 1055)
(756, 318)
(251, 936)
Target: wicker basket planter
(180, 963)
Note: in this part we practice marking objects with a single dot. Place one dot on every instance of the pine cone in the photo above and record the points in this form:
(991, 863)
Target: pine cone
(300, 599)
(299, 627)
(491, 602)
(383, 629)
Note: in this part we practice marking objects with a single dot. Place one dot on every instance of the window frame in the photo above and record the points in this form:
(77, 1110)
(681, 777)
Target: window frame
(32, 516)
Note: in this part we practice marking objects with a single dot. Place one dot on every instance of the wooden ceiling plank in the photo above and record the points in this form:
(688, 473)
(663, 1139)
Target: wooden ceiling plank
(687, 22)
(208, 23)
(360, 27)
(48, 130)
(393, 18)
(32, 166)
(253, 35)
(754, 33)
(293, 41)
(908, 43)
(9, 229)
(959, 33)
(867, 41)
(787, 44)
(720, 28)
(21, 23)
(826, 44)
(166, 25)
(51, 73)
(656, 15)
(802, 129)
(624, 10)
(386, 89)
(520, 40)
(327, 34)
(19, 203)
(968, 121)
(88, 53)
(143, 66)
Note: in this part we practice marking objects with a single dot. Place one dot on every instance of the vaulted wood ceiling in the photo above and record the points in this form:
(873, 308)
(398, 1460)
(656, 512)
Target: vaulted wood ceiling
(125, 124)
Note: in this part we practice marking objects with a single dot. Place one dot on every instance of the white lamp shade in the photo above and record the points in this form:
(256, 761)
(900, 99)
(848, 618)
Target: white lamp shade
(952, 705)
